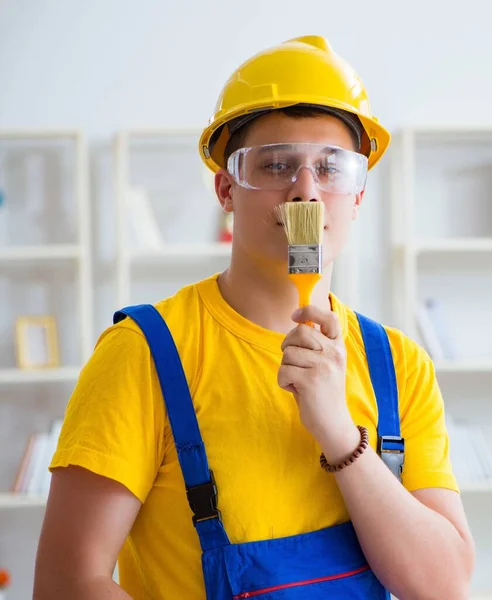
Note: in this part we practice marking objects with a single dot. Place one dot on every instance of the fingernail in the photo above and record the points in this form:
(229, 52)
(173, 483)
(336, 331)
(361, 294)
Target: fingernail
(296, 313)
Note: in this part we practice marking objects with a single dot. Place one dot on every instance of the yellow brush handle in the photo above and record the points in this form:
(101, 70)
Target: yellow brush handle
(305, 283)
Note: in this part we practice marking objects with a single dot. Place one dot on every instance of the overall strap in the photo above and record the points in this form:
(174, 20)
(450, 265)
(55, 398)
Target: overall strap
(391, 446)
(200, 484)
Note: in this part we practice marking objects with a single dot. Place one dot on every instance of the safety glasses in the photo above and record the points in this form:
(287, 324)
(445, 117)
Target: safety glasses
(277, 167)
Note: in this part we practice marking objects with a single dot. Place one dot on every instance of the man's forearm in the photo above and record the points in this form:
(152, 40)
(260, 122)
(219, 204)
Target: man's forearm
(414, 551)
(100, 588)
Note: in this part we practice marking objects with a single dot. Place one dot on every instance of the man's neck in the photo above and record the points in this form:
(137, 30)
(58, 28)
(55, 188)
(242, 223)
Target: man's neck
(263, 293)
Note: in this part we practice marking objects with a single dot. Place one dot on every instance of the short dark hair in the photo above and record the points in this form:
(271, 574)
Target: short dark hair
(238, 138)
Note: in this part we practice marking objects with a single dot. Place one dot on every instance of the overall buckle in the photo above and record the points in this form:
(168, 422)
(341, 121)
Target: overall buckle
(203, 501)
(392, 456)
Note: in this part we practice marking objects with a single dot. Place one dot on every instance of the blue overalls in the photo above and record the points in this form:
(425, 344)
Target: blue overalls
(327, 564)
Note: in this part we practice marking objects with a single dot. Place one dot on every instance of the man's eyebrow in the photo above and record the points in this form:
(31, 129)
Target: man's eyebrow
(273, 147)
(324, 149)
(333, 150)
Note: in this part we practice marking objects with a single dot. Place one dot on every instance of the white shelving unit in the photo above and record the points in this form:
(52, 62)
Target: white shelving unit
(45, 269)
(24, 145)
(13, 376)
(178, 188)
(39, 253)
(464, 366)
(442, 249)
(21, 501)
(177, 251)
(176, 194)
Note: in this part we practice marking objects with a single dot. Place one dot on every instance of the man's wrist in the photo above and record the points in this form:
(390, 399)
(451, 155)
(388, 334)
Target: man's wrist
(341, 446)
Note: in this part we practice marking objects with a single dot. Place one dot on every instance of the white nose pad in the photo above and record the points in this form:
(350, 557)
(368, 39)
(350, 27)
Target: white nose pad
(295, 177)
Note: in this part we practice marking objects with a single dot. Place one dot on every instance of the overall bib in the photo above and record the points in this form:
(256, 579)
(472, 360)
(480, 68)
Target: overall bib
(327, 564)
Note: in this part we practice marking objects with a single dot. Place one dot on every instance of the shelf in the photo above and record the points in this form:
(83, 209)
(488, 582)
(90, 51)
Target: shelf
(476, 488)
(464, 366)
(48, 252)
(181, 251)
(448, 246)
(454, 245)
(8, 500)
(44, 134)
(8, 376)
(452, 134)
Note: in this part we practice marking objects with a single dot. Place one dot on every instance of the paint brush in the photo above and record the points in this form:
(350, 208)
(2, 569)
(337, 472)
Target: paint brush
(303, 224)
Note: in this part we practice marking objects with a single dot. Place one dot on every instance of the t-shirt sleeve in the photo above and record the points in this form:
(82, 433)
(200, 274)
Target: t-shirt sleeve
(422, 416)
(114, 421)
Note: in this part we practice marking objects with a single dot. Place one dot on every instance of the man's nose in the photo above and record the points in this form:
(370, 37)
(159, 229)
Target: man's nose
(304, 188)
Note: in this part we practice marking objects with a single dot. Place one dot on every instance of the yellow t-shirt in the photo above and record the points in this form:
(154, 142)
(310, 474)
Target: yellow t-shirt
(265, 462)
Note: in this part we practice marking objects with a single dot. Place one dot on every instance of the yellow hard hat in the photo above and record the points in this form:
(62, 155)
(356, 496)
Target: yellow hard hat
(304, 70)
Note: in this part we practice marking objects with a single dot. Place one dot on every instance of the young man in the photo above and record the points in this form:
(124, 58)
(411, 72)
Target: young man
(270, 394)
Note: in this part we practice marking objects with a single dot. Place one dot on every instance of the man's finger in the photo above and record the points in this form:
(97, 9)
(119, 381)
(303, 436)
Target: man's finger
(287, 375)
(304, 337)
(299, 357)
(326, 319)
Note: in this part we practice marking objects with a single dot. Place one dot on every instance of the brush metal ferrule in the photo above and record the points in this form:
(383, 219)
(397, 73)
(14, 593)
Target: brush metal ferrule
(305, 258)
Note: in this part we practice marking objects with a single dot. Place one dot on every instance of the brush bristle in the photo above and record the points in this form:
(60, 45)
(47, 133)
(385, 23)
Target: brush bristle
(303, 222)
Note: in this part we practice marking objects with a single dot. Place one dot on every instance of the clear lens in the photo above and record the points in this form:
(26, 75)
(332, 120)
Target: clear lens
(277, 166)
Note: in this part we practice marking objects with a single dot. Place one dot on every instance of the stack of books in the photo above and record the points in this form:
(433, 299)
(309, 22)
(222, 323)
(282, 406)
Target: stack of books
(471, 452)
(33, 476)
(434, 330)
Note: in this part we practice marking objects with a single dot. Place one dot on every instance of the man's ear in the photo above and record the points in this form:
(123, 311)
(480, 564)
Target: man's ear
(357, 203)
(223, 189)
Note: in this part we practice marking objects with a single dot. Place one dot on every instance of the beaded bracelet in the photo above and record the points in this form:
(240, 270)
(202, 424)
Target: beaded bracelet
(364, 442)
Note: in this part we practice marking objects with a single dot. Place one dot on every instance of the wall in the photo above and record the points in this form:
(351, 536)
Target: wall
(105, 64)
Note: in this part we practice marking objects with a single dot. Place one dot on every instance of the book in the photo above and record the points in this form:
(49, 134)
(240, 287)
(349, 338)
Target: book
(434, 329)
(33, 475)
(21, 476)
(427, 332)
(442, 328)
(143, 230)
(483, 450)
(470, 452)
(52, 444)
(38, 462)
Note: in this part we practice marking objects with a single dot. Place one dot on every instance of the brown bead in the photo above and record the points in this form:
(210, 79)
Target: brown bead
(364, 442)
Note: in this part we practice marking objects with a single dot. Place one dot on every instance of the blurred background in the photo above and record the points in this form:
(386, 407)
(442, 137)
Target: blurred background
(104, 202)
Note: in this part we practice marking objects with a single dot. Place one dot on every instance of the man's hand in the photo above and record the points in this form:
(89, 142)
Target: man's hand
(314, 369)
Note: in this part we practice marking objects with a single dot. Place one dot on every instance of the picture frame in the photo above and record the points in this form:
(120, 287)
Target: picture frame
(37, 342)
